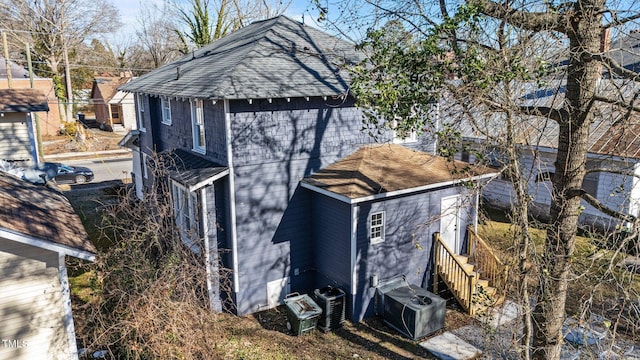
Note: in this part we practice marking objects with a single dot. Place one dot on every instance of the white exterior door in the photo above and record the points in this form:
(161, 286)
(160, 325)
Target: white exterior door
(450, 222)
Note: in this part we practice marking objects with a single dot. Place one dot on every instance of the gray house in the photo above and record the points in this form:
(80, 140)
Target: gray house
(274, 178)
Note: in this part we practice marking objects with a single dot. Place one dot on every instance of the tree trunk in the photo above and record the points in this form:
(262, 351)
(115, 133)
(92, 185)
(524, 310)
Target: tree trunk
(582, 79)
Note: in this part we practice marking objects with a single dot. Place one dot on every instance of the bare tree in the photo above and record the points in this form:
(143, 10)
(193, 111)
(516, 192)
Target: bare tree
(494, 61)
(55, 27)
(156, 43)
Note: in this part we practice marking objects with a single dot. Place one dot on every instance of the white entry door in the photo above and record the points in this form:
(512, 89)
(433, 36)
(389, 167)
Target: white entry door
(450, 222)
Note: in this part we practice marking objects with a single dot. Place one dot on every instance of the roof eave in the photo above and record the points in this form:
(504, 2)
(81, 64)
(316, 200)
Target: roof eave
(389, 194)
(46, 244)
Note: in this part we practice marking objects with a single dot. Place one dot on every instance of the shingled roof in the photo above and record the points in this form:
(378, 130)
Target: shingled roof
(390, 168)
(275, 58)
(22, 100)
(42, 215)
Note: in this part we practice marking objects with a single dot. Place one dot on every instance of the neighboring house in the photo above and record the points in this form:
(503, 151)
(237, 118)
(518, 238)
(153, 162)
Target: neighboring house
(48, 120)
(18, 140)
(114, 109)
(614, 145)
(273, 170)
(38, 229)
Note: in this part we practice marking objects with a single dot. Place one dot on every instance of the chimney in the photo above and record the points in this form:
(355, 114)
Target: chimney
(605, 40)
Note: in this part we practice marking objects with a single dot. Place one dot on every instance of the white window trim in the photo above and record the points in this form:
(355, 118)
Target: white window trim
(195, 127)
(183, 197)
(377, 239)
(412, 138)
(165, 108)
(140, 103)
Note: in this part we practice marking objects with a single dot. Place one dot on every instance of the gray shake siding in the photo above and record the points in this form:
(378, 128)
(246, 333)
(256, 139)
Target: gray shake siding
(275, 145)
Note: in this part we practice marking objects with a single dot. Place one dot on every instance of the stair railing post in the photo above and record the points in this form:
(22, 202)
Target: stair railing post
(472, 290)
(436, 261)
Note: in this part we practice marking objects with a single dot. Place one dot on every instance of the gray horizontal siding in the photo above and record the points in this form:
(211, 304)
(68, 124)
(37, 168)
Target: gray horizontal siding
(410, 223)
(332, 240)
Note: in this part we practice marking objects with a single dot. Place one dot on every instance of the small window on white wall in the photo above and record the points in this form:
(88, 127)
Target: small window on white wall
(166, 110)
(376, 227)
(197, 120)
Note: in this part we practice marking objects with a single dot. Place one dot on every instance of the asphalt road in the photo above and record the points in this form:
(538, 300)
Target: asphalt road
(106, 169)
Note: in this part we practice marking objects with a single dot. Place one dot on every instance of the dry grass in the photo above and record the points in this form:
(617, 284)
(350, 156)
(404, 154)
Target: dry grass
(97, 140)
(597, 284)
(178, 329)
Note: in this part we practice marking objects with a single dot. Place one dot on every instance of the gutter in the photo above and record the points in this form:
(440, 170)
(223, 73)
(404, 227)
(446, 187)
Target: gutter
(385, 195)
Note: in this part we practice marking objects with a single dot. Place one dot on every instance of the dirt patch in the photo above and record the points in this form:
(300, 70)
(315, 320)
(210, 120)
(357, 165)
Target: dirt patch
(96, 140)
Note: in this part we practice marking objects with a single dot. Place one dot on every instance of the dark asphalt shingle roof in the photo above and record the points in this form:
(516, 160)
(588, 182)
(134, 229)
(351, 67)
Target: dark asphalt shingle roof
(22, 100)
(41, 212)
(190, 169)
(274, 58)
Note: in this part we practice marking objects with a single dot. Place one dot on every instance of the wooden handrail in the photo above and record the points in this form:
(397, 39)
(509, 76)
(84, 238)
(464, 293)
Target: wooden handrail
(461, 281)
(486, 262)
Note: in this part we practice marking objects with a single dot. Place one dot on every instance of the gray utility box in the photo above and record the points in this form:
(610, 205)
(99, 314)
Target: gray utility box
(414, 311)
(302, 313)
(332, 302)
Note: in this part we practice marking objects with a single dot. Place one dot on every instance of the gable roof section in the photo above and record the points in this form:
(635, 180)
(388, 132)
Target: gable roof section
(107, 87)
(275, 58)
(43, 217)
(22, 100)
(386, 170)
(192, 171)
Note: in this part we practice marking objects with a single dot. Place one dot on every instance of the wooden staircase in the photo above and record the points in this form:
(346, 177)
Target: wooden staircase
(477, 280)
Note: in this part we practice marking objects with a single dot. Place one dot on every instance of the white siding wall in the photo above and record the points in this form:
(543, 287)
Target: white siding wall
(15, 143)
(31, 306)
(618, 192)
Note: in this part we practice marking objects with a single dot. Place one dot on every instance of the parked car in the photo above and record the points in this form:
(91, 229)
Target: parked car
(62, 173)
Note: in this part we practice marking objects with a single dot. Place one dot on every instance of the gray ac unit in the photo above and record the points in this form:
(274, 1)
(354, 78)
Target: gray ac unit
(414, 311)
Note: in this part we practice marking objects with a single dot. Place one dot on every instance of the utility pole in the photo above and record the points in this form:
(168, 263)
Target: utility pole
(39, 150)
(67, 79)
(6, 58)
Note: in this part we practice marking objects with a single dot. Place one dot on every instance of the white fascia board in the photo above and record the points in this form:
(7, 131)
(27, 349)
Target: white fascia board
(394, 193)
(232, 199)
(47, 245)
(208, 181)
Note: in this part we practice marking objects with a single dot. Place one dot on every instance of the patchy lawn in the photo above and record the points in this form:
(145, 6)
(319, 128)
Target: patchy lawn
(596, 278)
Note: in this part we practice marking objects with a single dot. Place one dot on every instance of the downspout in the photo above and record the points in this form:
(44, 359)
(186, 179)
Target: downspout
(232, 199)
(66, 303)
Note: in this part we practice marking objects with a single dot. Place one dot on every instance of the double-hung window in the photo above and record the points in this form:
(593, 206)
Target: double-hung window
(376, 227)
(185, 208)
(165, 103)
(140, 103)
(197, 121)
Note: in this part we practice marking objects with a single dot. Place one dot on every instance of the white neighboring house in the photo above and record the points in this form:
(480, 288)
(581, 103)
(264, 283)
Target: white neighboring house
(38, 229)
(18, 140)
(614, 149)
